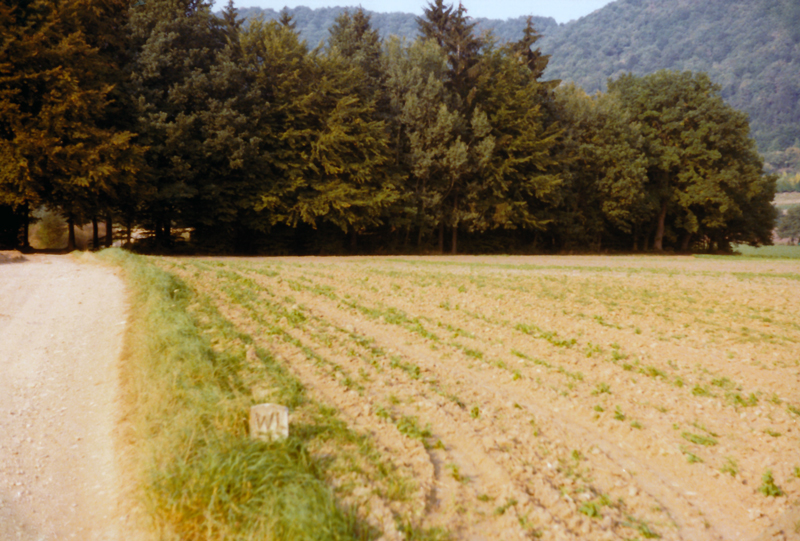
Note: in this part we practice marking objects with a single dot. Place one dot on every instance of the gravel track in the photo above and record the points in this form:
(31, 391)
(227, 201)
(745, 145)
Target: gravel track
(61, 334)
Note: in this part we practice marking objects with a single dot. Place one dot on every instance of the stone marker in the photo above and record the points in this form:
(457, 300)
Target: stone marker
(269, 422)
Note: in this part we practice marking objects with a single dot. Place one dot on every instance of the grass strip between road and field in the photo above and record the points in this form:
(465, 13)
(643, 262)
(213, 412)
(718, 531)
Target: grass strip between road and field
(187, 402)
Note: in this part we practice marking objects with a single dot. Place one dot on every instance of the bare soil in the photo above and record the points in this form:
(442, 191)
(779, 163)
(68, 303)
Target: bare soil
(567, 397)
(61, 332)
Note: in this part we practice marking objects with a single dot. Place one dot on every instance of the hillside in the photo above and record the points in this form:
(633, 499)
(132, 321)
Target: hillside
(313, 24)
(751, 48)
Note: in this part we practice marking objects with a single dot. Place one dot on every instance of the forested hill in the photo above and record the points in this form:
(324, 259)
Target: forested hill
(750, 47)
(313, 24)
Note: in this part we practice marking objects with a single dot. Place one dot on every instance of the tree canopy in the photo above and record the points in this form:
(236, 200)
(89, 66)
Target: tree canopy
(167, 116)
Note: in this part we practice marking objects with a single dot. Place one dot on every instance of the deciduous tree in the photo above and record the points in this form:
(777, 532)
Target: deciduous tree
(702, 166)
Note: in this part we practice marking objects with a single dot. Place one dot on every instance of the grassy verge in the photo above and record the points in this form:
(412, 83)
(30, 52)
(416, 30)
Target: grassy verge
(187, 382)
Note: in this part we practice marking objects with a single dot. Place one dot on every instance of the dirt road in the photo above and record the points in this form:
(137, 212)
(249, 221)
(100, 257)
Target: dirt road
(61, 330)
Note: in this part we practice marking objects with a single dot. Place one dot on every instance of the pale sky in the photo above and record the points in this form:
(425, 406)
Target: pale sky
(561, 10)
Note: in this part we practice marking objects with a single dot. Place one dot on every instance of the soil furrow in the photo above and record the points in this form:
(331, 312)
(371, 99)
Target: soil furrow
(578, 401)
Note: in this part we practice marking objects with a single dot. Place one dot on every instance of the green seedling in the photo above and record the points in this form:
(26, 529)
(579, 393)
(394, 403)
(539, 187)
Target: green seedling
(601, 389)
(456, 474)
(699, 439)
(738, 400)
(505, 507)
(723, 383)
(591, 509)
(730, 467)
(768, 486)
(642, 527)
(653, 372)
(690, 456)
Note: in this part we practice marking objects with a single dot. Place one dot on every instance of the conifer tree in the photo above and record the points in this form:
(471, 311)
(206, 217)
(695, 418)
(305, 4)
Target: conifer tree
(327, 150)
(518, 188)
(286, 19)
(175, 46)
(533, 58)
(469, 155)
(423, 130)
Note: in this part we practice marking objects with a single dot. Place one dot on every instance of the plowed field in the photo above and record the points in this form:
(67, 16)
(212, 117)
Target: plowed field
(552, 397)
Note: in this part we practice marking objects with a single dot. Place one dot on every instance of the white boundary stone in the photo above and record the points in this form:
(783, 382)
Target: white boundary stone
(269, 422)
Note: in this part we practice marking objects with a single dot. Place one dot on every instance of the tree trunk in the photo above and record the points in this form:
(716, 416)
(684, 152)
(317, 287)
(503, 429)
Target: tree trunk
(686, 242)
(95, 234)
(454, 245)
(420, 210)
(353, 240)
(658, 242)
(441, 237)
(26, 226)
(71, 237)
(109, 230)
(635, 238)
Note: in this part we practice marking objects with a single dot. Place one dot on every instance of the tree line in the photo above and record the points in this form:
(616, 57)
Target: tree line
(166, 117)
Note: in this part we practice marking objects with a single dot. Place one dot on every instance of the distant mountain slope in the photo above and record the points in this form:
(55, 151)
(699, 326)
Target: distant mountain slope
(313, 24)
(750, 47)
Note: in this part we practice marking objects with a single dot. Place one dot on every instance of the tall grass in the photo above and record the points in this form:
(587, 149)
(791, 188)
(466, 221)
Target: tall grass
(187, 399)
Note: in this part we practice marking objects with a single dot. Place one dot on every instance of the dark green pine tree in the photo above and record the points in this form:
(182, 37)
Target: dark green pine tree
(436, 21)
(359, 47)
(423, 130)
(359, 44)
(518, 187)
(175, 46)
(465, 161)
(533, 58)
(327, 151)
(287, 20)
